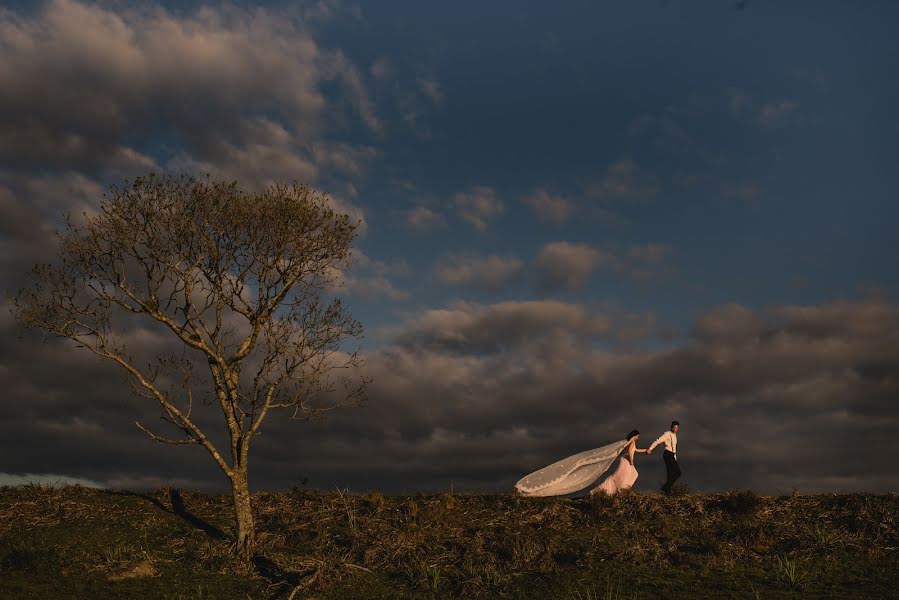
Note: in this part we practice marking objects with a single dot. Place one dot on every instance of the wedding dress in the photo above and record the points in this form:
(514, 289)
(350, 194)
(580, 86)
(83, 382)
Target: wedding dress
(571, 474)
(621, 476)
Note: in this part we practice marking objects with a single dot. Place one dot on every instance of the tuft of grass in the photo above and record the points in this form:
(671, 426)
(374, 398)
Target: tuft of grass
(789, 571)
(825, 537)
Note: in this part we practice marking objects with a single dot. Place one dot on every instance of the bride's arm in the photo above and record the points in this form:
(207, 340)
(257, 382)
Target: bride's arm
(631, 448)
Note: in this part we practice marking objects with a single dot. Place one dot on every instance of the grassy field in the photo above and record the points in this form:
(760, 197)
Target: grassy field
(73, 542)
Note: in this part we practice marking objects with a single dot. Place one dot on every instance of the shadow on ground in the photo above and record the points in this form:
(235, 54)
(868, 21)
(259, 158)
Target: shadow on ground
(180, 510)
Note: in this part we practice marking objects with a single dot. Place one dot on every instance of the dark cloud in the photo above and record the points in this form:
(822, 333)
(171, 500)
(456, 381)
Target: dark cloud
(239, 94)
(470, 393)
(94, 93)
(479, 394)
(78, 77)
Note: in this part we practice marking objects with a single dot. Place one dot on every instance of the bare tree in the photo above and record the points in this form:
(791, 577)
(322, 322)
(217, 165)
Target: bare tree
(237, 281)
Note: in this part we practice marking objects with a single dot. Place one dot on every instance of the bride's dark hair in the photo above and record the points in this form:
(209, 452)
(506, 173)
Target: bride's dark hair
(632, 434)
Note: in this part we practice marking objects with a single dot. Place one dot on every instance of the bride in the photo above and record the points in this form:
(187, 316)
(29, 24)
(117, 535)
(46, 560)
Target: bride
(577, 472)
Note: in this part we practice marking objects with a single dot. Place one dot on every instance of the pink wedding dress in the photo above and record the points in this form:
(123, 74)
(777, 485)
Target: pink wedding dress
(621, 476)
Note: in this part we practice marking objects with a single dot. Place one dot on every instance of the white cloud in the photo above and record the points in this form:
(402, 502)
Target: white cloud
(623, 180)
(567, 265)
(380, 69)
(423, 218)
(549, 207)
(432, 90)
(488, 273)
(768, 114)
(368, 278)
(472, 327)
(478, 205)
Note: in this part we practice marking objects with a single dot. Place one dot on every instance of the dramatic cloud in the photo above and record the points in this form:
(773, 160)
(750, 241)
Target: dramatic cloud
(77, 75)
(480, 373)
(93, 93)
(550, 208)
(480, 394)
(566, 265)
(488, 273)
(31, 210)
(239, 94)
(478, 205)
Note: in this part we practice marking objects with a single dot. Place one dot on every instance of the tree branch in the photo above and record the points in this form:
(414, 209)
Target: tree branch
(165, 440)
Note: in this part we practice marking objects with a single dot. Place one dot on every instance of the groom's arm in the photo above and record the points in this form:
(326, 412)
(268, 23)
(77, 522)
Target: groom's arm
(657, 442)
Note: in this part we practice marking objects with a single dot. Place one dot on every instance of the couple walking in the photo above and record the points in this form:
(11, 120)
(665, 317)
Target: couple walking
(613, 465)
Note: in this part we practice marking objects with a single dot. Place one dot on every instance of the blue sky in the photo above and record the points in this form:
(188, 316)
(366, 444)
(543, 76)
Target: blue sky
(540, 97)
(629, 189)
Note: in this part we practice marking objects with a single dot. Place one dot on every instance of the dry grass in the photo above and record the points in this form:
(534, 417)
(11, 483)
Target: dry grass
(474, 546)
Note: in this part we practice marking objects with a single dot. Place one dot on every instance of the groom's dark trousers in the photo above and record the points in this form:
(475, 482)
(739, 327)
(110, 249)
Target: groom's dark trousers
(672, 469)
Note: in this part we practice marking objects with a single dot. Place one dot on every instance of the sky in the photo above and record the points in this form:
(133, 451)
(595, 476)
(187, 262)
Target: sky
(577, 219)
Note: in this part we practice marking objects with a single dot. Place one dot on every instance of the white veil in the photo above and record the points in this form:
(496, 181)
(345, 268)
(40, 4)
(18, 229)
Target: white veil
(570, 474)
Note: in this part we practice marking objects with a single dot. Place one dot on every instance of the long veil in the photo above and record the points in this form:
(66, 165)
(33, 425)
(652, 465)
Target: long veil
(570, 474)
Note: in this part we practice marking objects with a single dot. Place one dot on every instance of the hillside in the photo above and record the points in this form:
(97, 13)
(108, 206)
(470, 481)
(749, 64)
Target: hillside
(73, 542)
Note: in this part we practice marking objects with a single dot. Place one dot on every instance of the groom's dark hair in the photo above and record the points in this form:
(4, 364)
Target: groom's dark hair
(673, 423)
(632, 434)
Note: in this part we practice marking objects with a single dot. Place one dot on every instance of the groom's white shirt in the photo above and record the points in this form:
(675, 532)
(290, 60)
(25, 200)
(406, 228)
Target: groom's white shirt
(669, 440)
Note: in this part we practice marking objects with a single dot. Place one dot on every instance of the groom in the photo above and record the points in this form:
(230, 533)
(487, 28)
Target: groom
(669, 440)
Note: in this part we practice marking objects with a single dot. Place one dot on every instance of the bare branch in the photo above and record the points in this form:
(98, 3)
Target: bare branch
(165, 440)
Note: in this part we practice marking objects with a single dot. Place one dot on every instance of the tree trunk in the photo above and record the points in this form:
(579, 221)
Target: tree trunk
(243, 515)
